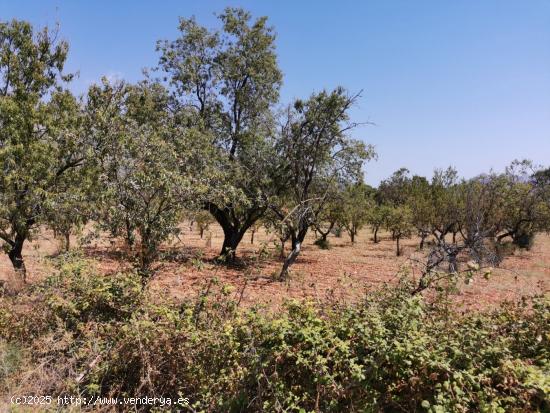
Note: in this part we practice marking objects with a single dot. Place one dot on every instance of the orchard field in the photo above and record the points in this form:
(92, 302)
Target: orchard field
(341, 273)
(192, 236)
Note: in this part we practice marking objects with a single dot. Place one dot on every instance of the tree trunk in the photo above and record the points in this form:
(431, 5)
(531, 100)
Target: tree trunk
(232, 238)
(453, 264)
(297, 240)
(289, 261)
(252, 236)
(233, 228)
(291, 258)
(454, 237)
(148, 253)
(202, 231)
(130, 238)
(324, 234)
(352, 236)
(67, 241)
(376, 235)
(397, 243)
(15, 255)
(282, 252)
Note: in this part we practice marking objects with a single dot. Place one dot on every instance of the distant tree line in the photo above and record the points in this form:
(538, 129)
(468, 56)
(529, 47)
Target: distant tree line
(495, 207)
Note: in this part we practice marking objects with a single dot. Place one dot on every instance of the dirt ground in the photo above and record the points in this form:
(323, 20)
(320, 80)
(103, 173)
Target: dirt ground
(341, 273)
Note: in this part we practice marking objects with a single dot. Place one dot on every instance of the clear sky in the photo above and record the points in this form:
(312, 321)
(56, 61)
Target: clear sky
(463, 83)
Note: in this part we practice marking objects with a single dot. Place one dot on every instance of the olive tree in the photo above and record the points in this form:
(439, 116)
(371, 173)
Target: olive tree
(140, 154)
(40, 139)
(358, 201)
(315, 151)
(399, 221)
(226, 82)
(420, 203)
(525, 207)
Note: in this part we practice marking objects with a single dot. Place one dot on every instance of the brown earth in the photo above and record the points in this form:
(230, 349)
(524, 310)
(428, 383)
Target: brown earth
(341, 273)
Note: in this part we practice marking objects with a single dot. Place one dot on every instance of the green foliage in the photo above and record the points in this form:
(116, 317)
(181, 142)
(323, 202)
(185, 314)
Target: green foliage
(136, 157)
(358, 200)
(316, 154)
(226, 83)
(203, 220)
(447, 204)
(392, 351)
(399, 221)
(40, 136)
(512, 206)
(420, 202)
(525, 203)
(145, 180)
(78, 296)
(71, 300)
(394, 190)
(322, 243)
(377, 218)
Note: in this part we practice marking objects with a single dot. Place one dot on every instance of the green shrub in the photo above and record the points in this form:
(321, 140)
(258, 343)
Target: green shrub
(391, 352)
(69, 300)
(324, 244)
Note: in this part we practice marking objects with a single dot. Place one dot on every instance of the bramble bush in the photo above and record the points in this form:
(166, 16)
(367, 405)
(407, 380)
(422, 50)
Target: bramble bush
(88, 334)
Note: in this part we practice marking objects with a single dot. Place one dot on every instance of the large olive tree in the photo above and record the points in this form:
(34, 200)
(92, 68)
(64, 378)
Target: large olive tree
(225, 82)
(40, 139)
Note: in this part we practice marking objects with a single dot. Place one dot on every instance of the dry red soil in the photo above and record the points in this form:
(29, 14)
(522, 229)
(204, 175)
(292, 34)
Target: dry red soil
(341, 273)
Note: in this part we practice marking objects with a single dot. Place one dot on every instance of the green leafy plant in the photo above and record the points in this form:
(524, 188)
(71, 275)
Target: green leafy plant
(105, 335)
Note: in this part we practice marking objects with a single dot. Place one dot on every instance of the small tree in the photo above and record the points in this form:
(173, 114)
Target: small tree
(315, 152)
(420, 202)
(399, 223)
(275, 225)
(446, 203)
(358, 200)
(525, 206)
(203, 220)
(253, 229)
(330, 215)
(376, 218)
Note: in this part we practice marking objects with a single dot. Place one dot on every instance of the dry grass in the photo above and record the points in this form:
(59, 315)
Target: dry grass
(341, 273)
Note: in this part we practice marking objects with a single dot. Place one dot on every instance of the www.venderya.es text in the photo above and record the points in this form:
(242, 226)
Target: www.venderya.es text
(97, 401)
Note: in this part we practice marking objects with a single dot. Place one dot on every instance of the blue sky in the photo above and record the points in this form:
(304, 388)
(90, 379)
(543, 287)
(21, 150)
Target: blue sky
(462, 83)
